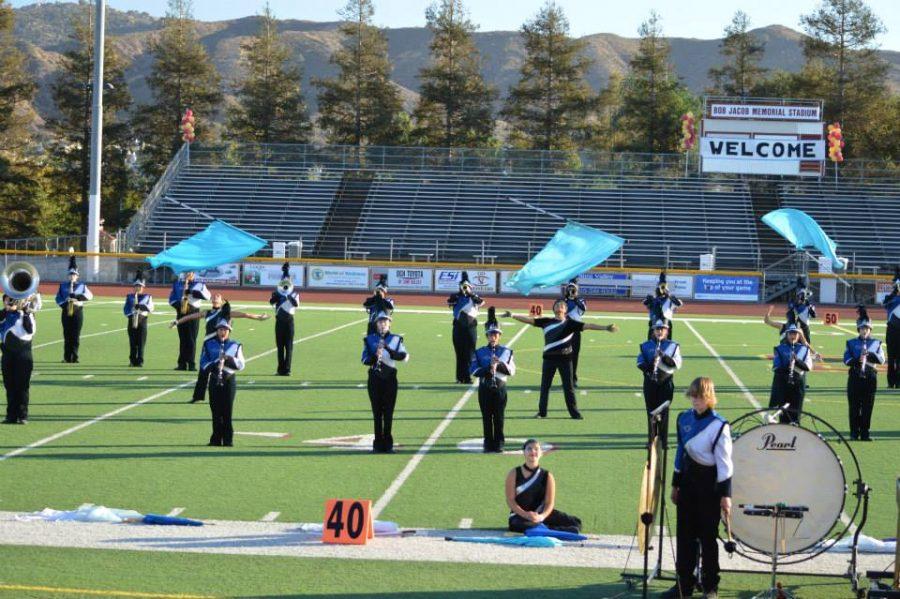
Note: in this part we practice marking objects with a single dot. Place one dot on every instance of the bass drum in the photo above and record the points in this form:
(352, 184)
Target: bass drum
(782, 463)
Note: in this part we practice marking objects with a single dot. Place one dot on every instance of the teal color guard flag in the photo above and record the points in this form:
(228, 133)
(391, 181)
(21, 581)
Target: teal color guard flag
(219, 243)
(803, 232)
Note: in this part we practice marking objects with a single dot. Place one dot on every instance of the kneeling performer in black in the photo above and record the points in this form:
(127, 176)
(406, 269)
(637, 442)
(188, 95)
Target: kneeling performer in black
(531, 495)
(381, 352)
(492, 364)
(220, 359)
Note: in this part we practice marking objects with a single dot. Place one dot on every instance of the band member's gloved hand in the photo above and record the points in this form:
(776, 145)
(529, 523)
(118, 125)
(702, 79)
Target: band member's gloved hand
(173, 324)
(612, 328)
(506, 314)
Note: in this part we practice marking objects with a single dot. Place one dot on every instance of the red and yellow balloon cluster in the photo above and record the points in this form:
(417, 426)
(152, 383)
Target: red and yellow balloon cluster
(187, 126)
(688, 135)
(835, 143)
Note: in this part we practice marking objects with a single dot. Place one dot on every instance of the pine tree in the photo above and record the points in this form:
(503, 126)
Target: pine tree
(21, 192)
(743, 52)
(653, 99)
(360, 106)
(454, 108)
(270, 106)
(182, 77)
(73, 96)
(549, 107)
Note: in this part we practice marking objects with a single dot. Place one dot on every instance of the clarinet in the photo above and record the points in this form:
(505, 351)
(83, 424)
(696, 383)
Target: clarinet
(135, 315)
(863, 359)
(655, 376)
(493, 384)
(70, 308)
(376, 367)
(791, 366)
(220, 380)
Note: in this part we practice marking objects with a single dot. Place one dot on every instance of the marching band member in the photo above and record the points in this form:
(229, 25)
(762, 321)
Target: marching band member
(531, 495)
(892, 306)
(285, 301)
(376, 304)
(659, 358)
(492, 364)
(186, 295)
(701, 488)
(791, 361)
(17, 327)
(138, 307)
(382, 350)
(576, 309)
(800, 308)
(662, 305)
(220, 309)
(70, 298)
(465, 326)
(558, 334)
(220, 358)
(862, 355)
(782, 330)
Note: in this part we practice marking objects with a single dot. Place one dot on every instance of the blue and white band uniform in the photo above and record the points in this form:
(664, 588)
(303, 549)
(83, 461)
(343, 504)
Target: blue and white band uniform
(466, 308)
(663, 307)
(892, 307)
(197, 293)
(854, 352)
(804, 311)
(79, 291)
(19, 325)
(285, 303)
(803, 360)
(705, 439)
(394, 350)
(234, 356)
(575, 308)
(481, 363)
(375, 305)
(669, 362)
(144, 305)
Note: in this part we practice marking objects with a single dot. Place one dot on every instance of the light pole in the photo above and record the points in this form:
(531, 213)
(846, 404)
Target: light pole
(93, 232)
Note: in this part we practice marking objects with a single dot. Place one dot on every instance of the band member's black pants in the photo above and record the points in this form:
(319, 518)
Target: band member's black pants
(576, 349)
(464, 338)
(563, 364)
(187, 341)
(805, 328)
(557, 520)
(893, 356)
(656, 393)
(284, 342)
(221, 404)
(71, 326)
(861, 398)
(17, 364)
(784, 392)
(383, 397)
(137, 338)
(697, 521)
(492, 401)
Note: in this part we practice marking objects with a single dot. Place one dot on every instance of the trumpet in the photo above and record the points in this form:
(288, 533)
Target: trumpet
(286, 286)
(135, 315)
(20, 281)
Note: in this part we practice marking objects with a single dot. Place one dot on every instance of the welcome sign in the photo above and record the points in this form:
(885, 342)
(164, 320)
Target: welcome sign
(762, 149)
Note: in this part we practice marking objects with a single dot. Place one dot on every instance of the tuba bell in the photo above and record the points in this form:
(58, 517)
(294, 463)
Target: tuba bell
(286, 286)
(20, 280)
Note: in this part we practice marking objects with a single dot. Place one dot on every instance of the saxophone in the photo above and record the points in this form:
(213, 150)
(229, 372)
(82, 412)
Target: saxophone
(185, 295)
(656, 357)
(863, 359)
(70, 307)
(135, 315)
(791, 366)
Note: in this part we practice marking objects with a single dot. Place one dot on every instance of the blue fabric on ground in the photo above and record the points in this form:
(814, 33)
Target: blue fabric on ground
(169, 521)
(517, 541)
(219, 243)
(803, 232)
(541, 530)
(574, 249)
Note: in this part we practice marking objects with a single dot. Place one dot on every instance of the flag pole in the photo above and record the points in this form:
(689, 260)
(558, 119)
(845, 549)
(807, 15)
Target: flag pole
(533, 207)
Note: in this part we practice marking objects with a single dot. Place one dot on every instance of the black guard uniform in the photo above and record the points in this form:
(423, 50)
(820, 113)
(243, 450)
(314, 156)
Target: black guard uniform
(530, 495)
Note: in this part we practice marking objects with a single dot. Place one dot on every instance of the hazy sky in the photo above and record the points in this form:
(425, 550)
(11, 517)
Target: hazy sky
(681, 18)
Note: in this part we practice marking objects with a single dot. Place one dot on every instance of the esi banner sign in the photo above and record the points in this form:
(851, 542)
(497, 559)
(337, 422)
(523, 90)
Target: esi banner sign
(483, 281)
(409, 279)
(681, 286)
(338, 277)
(726, 288)
(269, 275)
(603, 284)
(223, 274)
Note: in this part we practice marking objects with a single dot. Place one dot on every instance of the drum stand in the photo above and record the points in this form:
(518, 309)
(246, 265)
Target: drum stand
(779, 513)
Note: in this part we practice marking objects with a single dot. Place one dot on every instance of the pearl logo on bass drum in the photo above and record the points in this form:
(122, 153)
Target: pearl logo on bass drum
(770, 442)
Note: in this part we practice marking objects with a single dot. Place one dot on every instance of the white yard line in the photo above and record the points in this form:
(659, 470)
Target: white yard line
(465, 523)
(740, 385)
(270, 517)
(413, 463)
(175, 512)
(150, 398)
(55, 341)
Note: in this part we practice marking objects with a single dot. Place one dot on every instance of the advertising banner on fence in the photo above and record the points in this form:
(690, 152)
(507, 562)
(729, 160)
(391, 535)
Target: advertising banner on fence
(269, 275)
(338, 277)
(882, 290)
(483, 281)
(726, 288)
(224, 274)
(506, 275)
(681, 286)
(604, 284)
(407, 279)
